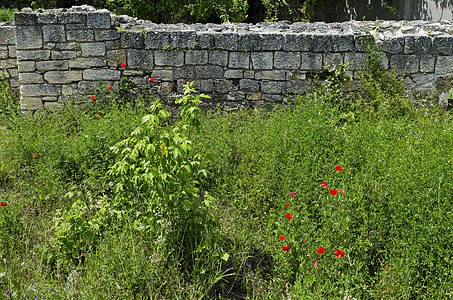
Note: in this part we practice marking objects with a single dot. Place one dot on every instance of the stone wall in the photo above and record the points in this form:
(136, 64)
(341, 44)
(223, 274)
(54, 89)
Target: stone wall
(8, 66)
(65, 53)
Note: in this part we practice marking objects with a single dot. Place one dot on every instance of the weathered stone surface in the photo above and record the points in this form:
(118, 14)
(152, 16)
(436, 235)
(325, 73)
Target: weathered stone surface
(8, 63)
(30, 103)
(222, 86)
(3, 52)
(417, 44)
(262, 60)
(356, 61)
(157, 39)
(7, 35)
(26, 66)
(208, 71)
(271, 75)
(52, 65)
(271, 87)
(231, 74)
(249, 42)
(196, 57)
(311, 61)
(248, 85)
(28, 37)
(443, 45)
(36, 90)
(116, 57)
(72, 18)
(239, 60)
(332, 60)
(405, 64)
(33, 54)
(271, 42)
(427, 63)
(183, 39)
(287, 60)
(249, 74)
(63, 54)
(217, 57)
(80, 35)
(25, 19)
(47, 18)
(106, 35)
(393, 45)
(206, 86)
(93, 49)
(163, 74)
(227, 41)
(68, 46)
(86, 62)
(98, 20)
(298, 42)
(169, 58)
(322, 43)
(204, 40)
(342, 43)
(186, 72)
(54, 33)
(140, 58)
(132, 39)
(28, 78)
(444, 83)
(63, 77)
(101, 74)
(444, 65)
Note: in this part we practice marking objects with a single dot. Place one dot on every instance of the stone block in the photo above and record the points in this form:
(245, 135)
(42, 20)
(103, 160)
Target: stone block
(80, 35)
(239, 60)
(298, 42)
(46, 18)
(52, 65)
(271, 41)
(183, 39)
(133, 73)
(163, 74)
(322, 43)
(87, 62)
(393, 45)
(106, 35)
(217, 57)
(444, 65)
(311, 61)
(271, 75)
(208, 72)
(169, 58)
(271, 87)
(297, 76)
(231, 74)
(13, 73)
(28, 78)
(12, 51)
(205, 40)
(427, 63)
(206, 86)
(363, 42)
(28, 37)
(63, 77)
(3, 52)
(249, 74)
(287, 60)
(405, 64)
(33, 54)
(417, 44)
(112, 45)
(8, 63)
(254, 96)
(262, 60)
(52, 105)
(63, 54)
(101, 74)
(39, 90)
(116, 57)
(332, 60)
(236, 96)
(132, 39)
(140, 58)
(93, 49)
(443, 45)
(30, 103)
(343, 43)
(25, 19)
(249, 42)
(54, 33)
(26, 66)
(248, 85)
(227, 41)
(356, 61)
(68, 46)
(196, 57)
(7, 35)
(157, 40)
(98, 20)
(222, 86)
(72, 18)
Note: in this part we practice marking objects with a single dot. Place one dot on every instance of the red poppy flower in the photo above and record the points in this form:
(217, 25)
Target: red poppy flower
(341, 191)
(3, 204)
(289, 216)
(323, 184)
(339, 253)
(123, 65)
(281, 238)
(34, 155)
(84, 254)
(152, 79)
(99, 115)
(333, 192)
(110, 87)
(384, 266)
(369, 187)
(286, 205)
(285, 248)
(316, 264)
(292, 194)
(93, 99)
(303, 240)
(339, 168)
(320, 250)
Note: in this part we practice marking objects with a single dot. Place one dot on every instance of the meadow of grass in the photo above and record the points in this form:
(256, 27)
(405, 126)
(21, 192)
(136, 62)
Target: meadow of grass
(312, 200)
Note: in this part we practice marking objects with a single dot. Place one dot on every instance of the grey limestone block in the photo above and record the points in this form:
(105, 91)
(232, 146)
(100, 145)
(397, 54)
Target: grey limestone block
(157, 39)
(248, 85)
(87, 62)
(13, 73)
(231, 74)
(427, 63)
(12, 51)
(106, 35)
(332, 60)
(239, 60)
(356, 61)
(133, 73)
(54, 33)
(271, 75)
(30, 103)
(63, 54)
(87, 87)
(72, 18)
(218, 57)
(405, 64)
(3, 52)
(7, 35)
(196, 57)
(28, 78)
(47, 18)
(26, 66)
(140, 58)
(186, 72)
(363, 42)
(116, 57)
(183, 39)
(39, 90)
(417, 44)
(68, 46)
(33, 54)
(249, 74)
(93, 49)
(25, 19)
(444, 65)
(28, 37)
(80, 35)
(206, 86)
(393, 45)
(262, 60)
(63, 77)
(249, 42)
(98, 20)
(52, 105)
(172, 58)
(236, 96)
(208, 72)
(163, 74)
(287, 60)
(322, 43)
(112, 45)
(271, 41)
(132, 39)
(8, 63)
(271, 87)
(298, 42)
(205, 40)
(223, 86)
(443, 45)
(227, 41)
(311, 61)
(52, 65)
(343, 43)
(101, 74)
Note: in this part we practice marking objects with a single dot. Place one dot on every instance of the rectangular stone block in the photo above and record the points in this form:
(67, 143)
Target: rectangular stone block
(204, 40)
(26, 66)
(107, 35)
(47, 18)
(63, 77)
(28, 78)
(157, 40)
(68, 46)
(93, 49)
(262, 60)
(98, 20)
(3, 52)
(417, 44)
(8, 63)
(363, 42)
(132, 73)
(52, 65)
(427, 63)
(112, 45)
(183, 39)
(249, 42)
(169, 58)
(332, 60)
(208, 72)
(25, 19)
(287, 60)
(33, 54)
(239, 60)
(80, 35)
(28, 37)
(227, 41)
(140, 58)
(343, 43)
(298, 42)
(443, 45)
(63, 54)
(217, 57)
(101, 74)
(405, 64)
(12, 51)
(271, 75)
(72, 18)
(311, 61)
(249, 74)
(322, 43)
(206, 86)
(393, 45)
(86, 62)
(54, 33)
(271, 41)
(7, 35)
(231, 74)
(13, 72)
(163, 74)
(39, 90)
(132, 39)
(248, 85)
(444, 65)
(271, 87)
(356, 61)
(30, 103)
(196, 57)
(116, 57)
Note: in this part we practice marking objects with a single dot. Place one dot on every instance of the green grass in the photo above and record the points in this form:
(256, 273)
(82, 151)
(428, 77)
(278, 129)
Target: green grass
(7, 14)
(394, 221)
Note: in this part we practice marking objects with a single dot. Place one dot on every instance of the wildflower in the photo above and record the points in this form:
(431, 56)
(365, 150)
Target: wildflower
(34, 155)
(3, 204)
(7, 291)
(289, 216)
(333, 192)
(286, 205)
(320, 250)
(323, 184)
(339, 253)
(369, 187)
(285, 248)
(281, 238)
(123, 65)
(341, 191)
(110, 87)
(316, 264)
(339, 168)
(93, 99)
(292, 194)
(99, 115)
(303, 240)
(152, 79)
(384, 266)
(84, 254)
